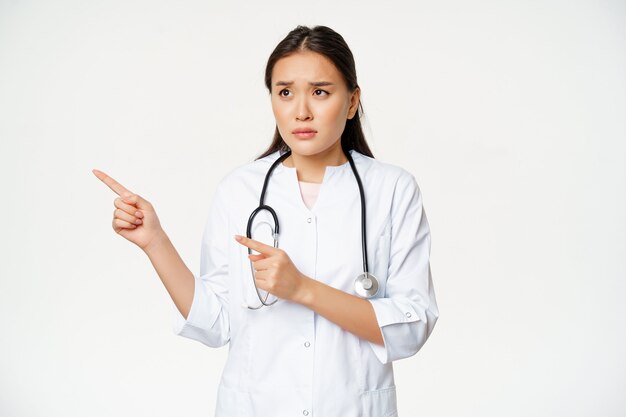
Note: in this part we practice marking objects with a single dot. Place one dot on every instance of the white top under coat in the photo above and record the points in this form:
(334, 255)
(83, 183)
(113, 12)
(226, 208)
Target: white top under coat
(286, 360)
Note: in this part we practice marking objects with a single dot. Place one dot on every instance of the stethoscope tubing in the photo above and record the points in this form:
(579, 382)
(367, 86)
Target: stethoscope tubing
(263, 206)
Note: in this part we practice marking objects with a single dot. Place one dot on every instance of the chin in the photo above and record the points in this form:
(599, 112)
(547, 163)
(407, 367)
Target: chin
(305, 150)
(308, 145)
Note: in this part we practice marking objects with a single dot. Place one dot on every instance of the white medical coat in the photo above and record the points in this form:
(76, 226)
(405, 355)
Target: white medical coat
(286, 360)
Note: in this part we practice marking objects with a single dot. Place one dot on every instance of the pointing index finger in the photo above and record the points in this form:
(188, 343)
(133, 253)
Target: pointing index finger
(118, 188)
(255, 245)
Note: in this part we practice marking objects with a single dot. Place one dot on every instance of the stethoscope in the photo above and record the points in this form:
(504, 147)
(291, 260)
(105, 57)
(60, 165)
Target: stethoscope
(365, 285)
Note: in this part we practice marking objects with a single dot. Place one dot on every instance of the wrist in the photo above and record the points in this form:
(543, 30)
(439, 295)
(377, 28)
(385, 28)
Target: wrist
(159, 240)
(307, 291)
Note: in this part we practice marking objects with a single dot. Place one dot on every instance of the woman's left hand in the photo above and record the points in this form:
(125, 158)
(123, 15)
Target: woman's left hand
(275, 272)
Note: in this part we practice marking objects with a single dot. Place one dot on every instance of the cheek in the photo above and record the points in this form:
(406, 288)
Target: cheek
(280, 113)
(275, 107)
(333, 112)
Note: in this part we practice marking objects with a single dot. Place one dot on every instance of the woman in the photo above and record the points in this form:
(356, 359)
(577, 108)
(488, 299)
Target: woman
(315, 323)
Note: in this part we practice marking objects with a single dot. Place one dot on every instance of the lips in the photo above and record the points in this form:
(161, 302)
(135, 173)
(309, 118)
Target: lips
(304, 133)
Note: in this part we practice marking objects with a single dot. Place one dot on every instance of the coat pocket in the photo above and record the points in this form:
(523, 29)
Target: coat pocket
(379, 403)
(233, 403)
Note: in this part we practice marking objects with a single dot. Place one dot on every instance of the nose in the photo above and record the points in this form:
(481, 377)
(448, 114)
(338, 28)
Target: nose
(303, 111)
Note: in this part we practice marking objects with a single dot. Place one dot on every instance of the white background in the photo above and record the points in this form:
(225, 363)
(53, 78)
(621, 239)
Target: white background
(511, 116)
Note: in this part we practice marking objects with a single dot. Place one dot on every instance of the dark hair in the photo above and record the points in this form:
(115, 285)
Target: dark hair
(327, 42)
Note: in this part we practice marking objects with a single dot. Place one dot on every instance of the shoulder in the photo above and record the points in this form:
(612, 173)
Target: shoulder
(385, 174)
(248, 173)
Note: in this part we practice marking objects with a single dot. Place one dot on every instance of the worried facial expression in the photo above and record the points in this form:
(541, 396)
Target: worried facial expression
(308, 92)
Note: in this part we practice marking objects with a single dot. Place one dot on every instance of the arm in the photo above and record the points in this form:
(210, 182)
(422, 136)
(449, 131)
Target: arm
(202, 299)
(398, 324)
(408, 311)
(350, 312)
(133, 210)
(177, 278)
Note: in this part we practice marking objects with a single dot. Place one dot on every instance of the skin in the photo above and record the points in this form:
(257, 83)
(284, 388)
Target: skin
(299, 104)
(322, 108)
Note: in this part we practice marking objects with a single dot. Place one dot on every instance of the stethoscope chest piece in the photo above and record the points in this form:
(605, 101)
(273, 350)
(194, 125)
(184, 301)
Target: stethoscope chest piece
(366, 285)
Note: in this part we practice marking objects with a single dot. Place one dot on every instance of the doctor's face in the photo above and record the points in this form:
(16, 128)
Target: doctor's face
(309, 92)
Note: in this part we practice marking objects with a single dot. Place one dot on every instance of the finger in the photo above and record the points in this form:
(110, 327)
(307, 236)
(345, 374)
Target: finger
(256, 245)
(117, 188)
(261, 264)
(123, 224)
(122, 215)
(262, 285)
(254, 257)
(260, 278)
(128, 208)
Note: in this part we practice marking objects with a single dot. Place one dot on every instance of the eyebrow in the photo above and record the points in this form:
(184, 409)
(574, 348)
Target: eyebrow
(314, 83)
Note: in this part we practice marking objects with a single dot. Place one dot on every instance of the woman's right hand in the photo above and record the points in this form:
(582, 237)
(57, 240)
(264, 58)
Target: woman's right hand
(134, 217)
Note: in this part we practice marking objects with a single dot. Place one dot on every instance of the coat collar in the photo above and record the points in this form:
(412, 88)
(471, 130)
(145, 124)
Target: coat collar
(330, 169)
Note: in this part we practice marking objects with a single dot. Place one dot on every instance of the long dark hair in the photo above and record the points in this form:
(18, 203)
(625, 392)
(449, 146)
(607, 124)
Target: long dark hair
(327, 42)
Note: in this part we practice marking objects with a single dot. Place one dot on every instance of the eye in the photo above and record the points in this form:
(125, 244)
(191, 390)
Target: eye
(324, 91)
(280, 93)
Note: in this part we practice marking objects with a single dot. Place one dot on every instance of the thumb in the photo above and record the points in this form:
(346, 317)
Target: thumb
(135, 199)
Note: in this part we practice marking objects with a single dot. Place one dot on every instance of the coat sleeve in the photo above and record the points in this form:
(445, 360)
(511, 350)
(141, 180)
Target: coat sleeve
(408, 311)
(208, 319)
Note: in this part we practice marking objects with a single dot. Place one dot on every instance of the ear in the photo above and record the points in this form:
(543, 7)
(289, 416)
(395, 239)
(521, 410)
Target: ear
(354, 102)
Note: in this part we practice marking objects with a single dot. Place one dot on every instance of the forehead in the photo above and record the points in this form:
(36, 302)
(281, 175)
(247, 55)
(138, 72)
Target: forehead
(305, 66)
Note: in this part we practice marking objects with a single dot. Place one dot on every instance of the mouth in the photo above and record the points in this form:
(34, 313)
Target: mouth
(304, 133)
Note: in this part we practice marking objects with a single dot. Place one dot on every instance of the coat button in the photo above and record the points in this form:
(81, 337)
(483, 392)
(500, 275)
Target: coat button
(307, 344)
(408, 314)
(308, 220)
(306, 413)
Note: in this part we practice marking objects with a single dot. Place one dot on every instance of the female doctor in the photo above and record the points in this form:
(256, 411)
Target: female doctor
(314, 257)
